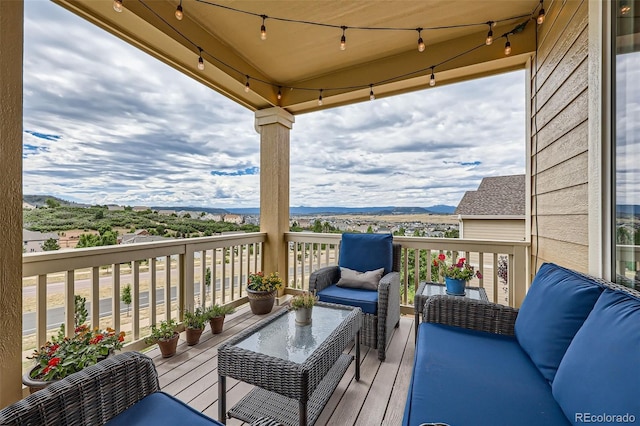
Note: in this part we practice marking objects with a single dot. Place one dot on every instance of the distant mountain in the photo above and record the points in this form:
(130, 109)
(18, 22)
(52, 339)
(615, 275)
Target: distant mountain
(628, 209)
(40, 200)
(386, 210)
(211, 210)
(442, 209)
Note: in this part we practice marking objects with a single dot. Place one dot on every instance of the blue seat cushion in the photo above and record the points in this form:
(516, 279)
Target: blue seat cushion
(466, 377)
(553, 310)
(366, 252)
(600, 373)
(367, 300)
(161, 409)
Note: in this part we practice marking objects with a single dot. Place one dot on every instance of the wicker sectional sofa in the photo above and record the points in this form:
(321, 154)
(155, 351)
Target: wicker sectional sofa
(570, 355)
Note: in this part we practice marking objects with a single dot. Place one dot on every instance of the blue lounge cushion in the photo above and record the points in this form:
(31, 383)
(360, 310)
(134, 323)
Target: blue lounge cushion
(367, 300)
(553, 310)
(161, 409)
(462, 376)
(600, 372)
(366, 252)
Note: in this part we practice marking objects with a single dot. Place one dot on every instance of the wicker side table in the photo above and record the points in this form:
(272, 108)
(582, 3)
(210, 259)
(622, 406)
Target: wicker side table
(295, 368)
(427, 289)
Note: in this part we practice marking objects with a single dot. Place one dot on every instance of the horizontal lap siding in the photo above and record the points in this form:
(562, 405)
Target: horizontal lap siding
(494, 229)
(559, 144)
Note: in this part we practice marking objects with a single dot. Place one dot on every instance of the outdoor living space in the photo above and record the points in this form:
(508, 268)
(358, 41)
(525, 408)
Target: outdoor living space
(377, 398)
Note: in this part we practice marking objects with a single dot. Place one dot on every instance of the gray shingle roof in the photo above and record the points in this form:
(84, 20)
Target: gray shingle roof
(496, 196)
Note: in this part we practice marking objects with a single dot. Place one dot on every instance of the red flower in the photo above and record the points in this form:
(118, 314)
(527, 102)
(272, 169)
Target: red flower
(53, 362)
(461, 260)
(96, 339)
(478, 274)
(441, 256)
(46, 370)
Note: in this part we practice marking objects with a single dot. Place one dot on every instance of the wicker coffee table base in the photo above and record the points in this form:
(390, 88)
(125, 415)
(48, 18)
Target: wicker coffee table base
(263, 403)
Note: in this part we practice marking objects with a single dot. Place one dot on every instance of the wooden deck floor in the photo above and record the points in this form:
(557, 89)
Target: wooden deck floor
(377, 399)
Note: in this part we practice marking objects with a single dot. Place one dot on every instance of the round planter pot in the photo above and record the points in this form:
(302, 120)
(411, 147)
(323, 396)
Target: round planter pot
(168, 347)
(455, 287)
(193, 335)
(216, 323)
(35, 385)
(261, 302)
(303, 316)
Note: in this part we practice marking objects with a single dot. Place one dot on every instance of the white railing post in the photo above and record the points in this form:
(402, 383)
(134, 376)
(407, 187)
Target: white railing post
(70, 302)
(152, 290)
(115, 296)
(41, 309)
(520, 275)
(95, 296)
(135, 299)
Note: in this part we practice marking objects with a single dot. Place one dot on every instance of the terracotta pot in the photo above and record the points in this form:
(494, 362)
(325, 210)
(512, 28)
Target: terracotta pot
(261, 302)
(216, 323)
(193, 335)
(168, 347)
(35, 385)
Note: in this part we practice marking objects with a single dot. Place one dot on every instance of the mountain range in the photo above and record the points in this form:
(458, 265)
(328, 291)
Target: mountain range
(39, 200)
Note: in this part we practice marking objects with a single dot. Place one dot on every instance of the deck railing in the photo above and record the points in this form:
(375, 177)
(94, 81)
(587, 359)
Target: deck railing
(163, 279)
(503, 264)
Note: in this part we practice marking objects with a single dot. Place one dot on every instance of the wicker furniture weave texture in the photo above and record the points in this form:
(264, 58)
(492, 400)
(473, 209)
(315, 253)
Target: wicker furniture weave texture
(430, 289)
(91, 396)
(376, 329)
(284, 382)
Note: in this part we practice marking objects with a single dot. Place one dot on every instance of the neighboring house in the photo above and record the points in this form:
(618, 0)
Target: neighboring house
(114, 208)
(233, 218)
(496, 211)
(32, 241)
(167, 212)
(140, 208)
(134, 237)
(214, 217)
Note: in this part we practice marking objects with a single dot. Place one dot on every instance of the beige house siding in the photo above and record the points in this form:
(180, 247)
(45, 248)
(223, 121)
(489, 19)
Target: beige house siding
(559, 142)
(494, 229)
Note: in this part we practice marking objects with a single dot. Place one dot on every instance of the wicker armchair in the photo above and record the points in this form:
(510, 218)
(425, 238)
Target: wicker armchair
(376, 328)
(99, 393)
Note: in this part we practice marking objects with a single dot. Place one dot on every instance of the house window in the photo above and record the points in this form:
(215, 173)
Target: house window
(626, 134)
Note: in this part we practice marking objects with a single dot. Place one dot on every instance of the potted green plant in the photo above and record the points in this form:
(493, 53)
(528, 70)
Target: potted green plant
(261, 291)
(194, 325)
(64, 355)
(166, 336)
(216, 314)
(456, 274)
(302, 304)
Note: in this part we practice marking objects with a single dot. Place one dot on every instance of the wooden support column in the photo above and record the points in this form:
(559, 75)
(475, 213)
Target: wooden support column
(11, 43)
(274, 126)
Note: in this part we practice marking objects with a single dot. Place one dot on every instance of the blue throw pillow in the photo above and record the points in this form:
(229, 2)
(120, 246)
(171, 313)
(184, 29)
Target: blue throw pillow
(553, 310)
(366, 252)
(600, 373)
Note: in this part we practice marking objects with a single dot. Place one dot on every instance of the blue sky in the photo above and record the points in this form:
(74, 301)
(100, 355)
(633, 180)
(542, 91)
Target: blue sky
(106, 123)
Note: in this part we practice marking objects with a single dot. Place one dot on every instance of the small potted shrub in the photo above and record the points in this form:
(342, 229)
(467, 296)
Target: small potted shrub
(194, 325)
(166, 336)
(216, 314)
(303, 305)
(261, 291)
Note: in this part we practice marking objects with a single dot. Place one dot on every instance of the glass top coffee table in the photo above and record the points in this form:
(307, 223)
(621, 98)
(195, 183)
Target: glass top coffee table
(427, 289)
(295, 368)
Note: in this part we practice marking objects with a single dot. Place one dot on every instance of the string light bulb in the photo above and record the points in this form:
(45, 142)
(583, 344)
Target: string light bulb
(421, 45)
(279, 93)
(432, 80)
(489, 39)
(343, 39)
(624, 7)
(372, 96)
(507, 47)
(179, 14)
(263, 29)
(200, 60)
(247, 87)
(320, 98)
(540, 18)
(117, 5)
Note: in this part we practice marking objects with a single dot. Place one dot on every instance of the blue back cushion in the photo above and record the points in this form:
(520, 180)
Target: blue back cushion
(555, 307)
(468, 377)
(600, 373)
(367, 300)
(366, 252)
(161, 409)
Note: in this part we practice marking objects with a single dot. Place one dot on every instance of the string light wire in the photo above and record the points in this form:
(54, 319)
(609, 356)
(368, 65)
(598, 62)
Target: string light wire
(422, 71)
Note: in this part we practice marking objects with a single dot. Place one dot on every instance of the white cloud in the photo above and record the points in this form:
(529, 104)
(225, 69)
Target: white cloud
(135, 131)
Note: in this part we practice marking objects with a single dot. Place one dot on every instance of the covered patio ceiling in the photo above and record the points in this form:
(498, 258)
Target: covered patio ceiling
(299, 59)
